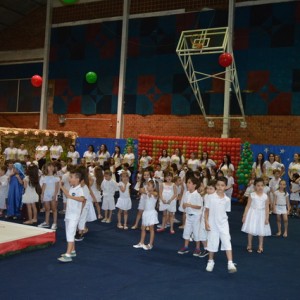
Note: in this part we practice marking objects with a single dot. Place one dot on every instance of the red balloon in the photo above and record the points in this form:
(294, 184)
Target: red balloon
(36, 80)
(225, 59)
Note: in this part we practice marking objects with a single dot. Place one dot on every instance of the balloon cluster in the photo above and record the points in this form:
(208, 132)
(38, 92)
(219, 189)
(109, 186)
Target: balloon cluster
(245, 166)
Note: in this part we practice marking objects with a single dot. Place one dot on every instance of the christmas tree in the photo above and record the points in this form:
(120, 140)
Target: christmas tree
(245, 166)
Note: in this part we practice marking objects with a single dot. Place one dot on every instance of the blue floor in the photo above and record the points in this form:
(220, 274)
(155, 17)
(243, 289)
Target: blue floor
(108, 267)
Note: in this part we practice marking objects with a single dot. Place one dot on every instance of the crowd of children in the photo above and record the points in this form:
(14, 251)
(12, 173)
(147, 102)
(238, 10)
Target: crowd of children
(197, 189)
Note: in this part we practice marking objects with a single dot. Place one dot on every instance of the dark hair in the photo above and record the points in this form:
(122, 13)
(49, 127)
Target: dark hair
(188, 175)
(260, 164)
(195, 181)
(179, 155)
(98, 173)
(228, 161)
(223, 179)
(220, 172)
(174, 168)
(201, 157)
(73, 147)
(126, 165)
(168, 174)
(84, 173)
(33, 175)
(257, 180)
(197, 174)
(295, 176)
(105, 148)
(115, 153)
(93, 149)
(270, 155)
(45, 168)
(143, 179)
(162, 153)
(207, 173)
(108, 172)
(212, 182)
(106, 165)
(78, 174)
(4, 168)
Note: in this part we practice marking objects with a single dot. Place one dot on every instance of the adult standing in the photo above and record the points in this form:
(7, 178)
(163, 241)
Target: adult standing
(294, 166)
(144, 160)
(258, 165)
(40, 153)
(56, 151)
(21, 152)
(177, 158)
(103, 155)
(118, 157)
(89, 155)
(270, 165)
(10, 152)
(193, 163)
(226, 165)
(73, 154)
(206, 162)
(164, 160)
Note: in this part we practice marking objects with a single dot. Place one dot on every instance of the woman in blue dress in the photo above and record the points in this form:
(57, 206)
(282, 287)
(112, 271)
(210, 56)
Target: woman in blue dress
(15, 192)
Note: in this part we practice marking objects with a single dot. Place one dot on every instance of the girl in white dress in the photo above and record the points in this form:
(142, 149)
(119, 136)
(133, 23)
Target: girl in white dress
(281, 208)
(143, 192)
(95, 181)
(256, 216)
(164, 160)
(149, 218)
(167, 203)
(32, 192)
(226, 164)
(295, 196)
(124, 202)
(50, 188)
(4, 181)
(258, 165)
(73, 154)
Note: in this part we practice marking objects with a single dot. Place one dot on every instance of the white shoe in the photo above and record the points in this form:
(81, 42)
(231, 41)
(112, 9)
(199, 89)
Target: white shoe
(43, 225)
(139, 245)
(231, 267)
(103, 220)
(176, 221)
(147, 247)
(210, 266)
(54, 226)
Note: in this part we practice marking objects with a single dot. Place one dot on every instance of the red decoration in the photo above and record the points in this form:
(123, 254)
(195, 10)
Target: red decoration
(225, 59)
(36, 80)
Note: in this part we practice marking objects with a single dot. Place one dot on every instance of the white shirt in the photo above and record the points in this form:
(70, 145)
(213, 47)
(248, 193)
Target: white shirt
(109, 187)
(4, 180)
(271, 167)
(266, 189)
(175, 159)
(294, 167)
(144, 161)
(193, 198)
(118, 160)
(207, 164)
(89, 156)
(274, 184)
(230, 182)
(40, 152)
(21, 154)
(129, 158)
(218, 208)
(281, 197)
(74, 155)
(257, 169)
(225, 168)
(102, 157)
(10, 153)
(193, 164)
(164, 162)
(50, 183)
(159, 176)
(56, 151)
(74, 207)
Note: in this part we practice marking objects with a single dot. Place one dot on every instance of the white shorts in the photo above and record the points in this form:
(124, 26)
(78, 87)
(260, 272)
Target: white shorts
(203, 232)
(281, 210)
(108, 203)
(71, 226)
(213, 241)
(192, 226)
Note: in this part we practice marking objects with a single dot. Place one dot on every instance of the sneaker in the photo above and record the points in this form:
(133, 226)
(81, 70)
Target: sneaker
(54, 226)
(183, 250)
(79, 237)
(147, 247)
(65, 259)
(103, 220)
(196, 252)
(73, 254)
(210, 266)
(139, 245)
(231, 267)
(43, 225)
(203, 253)
(176, 221)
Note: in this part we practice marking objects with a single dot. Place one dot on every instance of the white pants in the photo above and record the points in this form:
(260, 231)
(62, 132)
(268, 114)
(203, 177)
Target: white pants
(213, 240)
(192, 226)
(71, 226)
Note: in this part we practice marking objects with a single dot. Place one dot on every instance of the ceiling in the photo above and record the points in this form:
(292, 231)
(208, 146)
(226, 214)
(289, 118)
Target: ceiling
(13, 11)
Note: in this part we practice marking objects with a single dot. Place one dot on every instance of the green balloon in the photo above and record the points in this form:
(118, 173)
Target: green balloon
(91, 77)
(68, 1)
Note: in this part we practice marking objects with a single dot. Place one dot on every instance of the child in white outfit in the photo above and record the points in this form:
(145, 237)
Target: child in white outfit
(3, 188)
(109, 188)
(216, 223)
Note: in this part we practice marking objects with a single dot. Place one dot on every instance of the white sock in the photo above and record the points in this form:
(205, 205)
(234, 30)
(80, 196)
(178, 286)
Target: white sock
(230, 262)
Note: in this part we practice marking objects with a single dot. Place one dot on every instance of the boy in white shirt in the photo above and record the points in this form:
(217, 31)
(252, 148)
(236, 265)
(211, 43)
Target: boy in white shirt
(75, 203)
(192, 204)
(216, 223)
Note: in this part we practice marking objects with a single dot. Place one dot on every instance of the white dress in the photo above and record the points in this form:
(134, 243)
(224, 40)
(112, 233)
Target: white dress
(124, 201)
(30, 195)
(95, 191)
(280, 208)
(295, 187)
(149, 216)
(167, 194)
(256, 215)
(4, 181)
